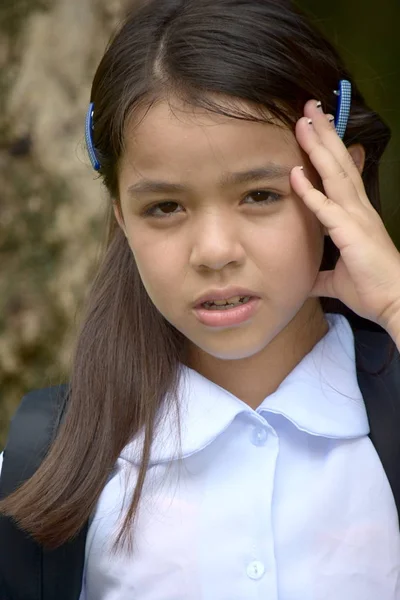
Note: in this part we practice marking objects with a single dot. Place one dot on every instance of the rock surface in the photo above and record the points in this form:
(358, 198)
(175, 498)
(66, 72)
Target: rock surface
(52, 206)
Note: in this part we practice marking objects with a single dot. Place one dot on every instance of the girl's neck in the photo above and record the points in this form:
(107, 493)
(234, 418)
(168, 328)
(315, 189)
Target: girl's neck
(253, 379)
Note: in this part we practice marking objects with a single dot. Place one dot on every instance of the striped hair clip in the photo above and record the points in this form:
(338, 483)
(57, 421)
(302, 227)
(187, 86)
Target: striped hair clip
(89, 140)
(343, 106)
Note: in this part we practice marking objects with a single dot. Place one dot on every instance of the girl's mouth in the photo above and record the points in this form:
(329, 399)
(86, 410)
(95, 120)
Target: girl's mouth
(226, 304)
(232, 311)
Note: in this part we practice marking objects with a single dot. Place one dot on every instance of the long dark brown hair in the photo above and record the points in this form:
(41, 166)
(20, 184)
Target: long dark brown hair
(127, 358)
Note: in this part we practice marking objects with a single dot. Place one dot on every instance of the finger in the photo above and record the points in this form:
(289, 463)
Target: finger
(341, 227)
(317, 202)
(331, 140)
(337, 183)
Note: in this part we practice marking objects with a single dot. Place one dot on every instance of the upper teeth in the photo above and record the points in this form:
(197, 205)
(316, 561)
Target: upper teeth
(233, 300)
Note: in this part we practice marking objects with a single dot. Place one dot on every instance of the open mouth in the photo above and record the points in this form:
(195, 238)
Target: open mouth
(228, 313)
(226, 304)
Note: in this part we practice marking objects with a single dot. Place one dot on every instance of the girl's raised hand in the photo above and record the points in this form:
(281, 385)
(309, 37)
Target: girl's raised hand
(367, 275)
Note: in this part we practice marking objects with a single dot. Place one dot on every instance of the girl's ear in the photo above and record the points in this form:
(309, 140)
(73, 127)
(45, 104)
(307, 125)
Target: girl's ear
(118, 216)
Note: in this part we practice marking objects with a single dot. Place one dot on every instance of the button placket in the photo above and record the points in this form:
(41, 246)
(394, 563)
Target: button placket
(266, 449)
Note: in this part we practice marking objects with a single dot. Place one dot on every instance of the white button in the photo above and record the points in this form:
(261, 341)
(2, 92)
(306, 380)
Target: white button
(259, 436)
(256, 569)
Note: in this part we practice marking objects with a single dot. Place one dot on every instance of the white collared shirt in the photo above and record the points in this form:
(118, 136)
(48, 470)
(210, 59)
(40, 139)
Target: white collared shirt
(286, 502)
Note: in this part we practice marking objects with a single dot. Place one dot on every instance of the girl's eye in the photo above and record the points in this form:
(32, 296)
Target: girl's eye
(168, 208)
(263, 197)
(162, 209)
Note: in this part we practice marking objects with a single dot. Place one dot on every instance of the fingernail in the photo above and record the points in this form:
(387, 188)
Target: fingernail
(319, 105)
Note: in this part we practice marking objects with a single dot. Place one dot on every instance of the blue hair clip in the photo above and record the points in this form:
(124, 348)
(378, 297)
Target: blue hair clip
(343, 107)
(89, 141)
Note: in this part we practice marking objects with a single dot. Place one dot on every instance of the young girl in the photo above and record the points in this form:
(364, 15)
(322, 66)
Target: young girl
(215, 437)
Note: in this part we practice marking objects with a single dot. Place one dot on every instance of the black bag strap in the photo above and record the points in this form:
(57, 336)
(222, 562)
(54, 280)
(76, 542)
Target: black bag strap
(27, 571)
(380, 388)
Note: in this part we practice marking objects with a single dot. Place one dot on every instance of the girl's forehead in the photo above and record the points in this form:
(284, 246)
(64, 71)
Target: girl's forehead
(172, 131)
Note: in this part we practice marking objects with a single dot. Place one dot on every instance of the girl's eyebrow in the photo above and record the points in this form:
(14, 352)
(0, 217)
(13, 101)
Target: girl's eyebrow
(269, 171)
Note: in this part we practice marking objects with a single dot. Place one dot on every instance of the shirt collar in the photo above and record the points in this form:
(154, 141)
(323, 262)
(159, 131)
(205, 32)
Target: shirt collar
(320, 396)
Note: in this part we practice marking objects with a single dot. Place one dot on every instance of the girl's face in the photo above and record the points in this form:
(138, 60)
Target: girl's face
(206, 203)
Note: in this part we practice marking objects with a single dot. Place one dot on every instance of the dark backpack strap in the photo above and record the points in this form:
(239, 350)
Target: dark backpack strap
(381, 392)
(27, 570)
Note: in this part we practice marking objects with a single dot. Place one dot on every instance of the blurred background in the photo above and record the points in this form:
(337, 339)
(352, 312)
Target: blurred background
(52, 207)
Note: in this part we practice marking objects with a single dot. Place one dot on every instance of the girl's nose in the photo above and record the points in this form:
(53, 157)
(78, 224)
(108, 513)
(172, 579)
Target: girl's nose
(216, 242)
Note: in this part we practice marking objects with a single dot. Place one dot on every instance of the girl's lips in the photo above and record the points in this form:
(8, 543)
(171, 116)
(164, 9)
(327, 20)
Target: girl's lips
(224, 294)
(228, 316)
